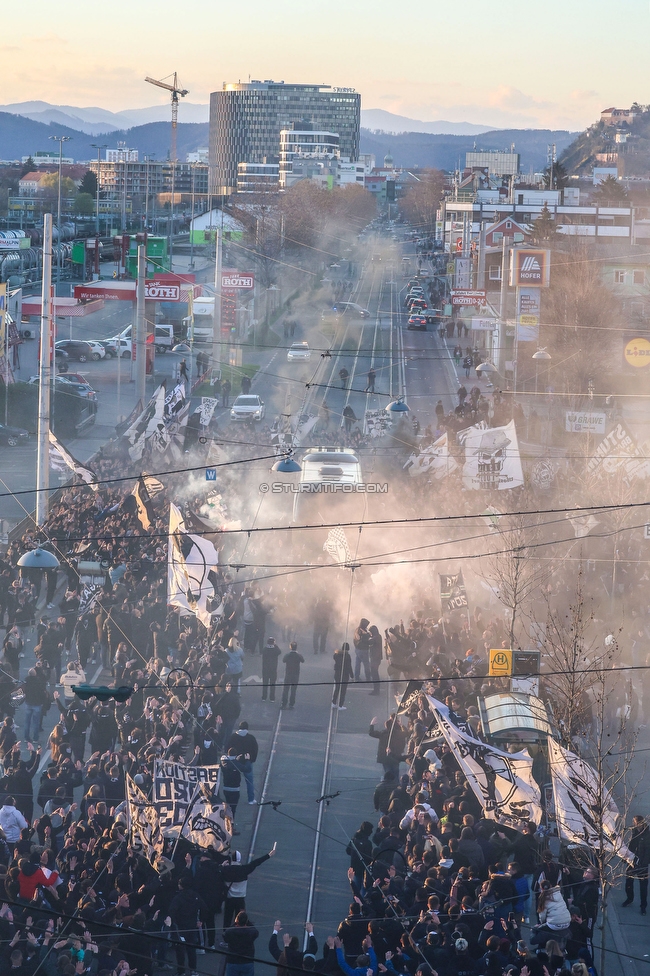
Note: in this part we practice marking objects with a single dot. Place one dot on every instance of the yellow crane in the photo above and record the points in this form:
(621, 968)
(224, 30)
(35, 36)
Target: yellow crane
(176, 90)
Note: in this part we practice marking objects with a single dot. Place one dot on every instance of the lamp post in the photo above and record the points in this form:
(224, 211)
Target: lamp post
(99, 148)
(60, 140)
(193, 166)
(541, 356)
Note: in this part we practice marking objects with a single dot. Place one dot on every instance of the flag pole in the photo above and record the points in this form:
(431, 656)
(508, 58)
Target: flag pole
(187, 817)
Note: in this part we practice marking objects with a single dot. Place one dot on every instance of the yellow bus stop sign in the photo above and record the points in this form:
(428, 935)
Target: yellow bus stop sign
(500, 662)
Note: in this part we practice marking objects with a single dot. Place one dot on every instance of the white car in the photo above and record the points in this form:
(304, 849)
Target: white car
(298, 352)
(248, 407)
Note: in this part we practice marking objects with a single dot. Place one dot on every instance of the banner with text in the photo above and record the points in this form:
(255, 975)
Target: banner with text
(174, 788)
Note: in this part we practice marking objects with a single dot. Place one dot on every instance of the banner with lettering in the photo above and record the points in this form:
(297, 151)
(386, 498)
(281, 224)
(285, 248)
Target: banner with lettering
(174, 788)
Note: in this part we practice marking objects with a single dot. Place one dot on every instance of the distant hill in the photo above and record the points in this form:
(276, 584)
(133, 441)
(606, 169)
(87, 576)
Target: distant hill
(579, 157)
(20, 137)
(97, 121)
(418, 149)
(378, 119)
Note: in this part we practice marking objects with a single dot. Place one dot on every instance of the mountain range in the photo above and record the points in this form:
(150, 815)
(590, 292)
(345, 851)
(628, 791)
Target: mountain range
(26, 134)
(96, 121)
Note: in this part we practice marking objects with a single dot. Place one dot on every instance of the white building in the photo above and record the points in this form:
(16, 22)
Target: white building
(121, 155)
(308, 153)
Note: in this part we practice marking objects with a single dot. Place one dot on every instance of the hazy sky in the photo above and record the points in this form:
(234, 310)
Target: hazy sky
(553, 63)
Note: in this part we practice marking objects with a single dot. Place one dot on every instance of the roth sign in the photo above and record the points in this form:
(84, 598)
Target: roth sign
(236, 279)
(154, 291)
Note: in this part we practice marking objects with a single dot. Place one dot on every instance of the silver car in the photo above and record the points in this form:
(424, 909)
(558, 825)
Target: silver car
(248, 407)
(298, 352)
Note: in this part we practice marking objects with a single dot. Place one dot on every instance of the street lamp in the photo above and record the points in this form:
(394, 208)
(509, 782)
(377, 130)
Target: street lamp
(397, 409)
(99, 148)
(60, 140)
(38, 559)
(487, 368)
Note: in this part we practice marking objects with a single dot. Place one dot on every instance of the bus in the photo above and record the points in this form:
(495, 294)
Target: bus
(330, 488)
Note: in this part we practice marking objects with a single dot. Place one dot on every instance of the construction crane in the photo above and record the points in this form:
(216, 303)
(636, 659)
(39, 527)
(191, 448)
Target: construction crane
(176, 91)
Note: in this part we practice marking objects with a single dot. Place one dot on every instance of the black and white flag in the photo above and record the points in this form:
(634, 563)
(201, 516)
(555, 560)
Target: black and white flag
(146, 424)
(190, 560)
(502, 782)
(336, 545)
(145, 834)
(208, 823)
(139, 501)
(61, 456)
(585, 810)
(453, 595)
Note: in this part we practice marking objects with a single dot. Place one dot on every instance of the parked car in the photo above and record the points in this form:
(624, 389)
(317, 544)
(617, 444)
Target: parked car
(298, 352)
(124, 345)
(248, 407)
(417, 323)
(81, 349)
(109, 347)
(13, 436)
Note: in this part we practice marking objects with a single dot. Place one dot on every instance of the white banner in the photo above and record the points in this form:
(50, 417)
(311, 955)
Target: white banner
(433, 460)
(492, 459)
(61, 455)
(174, 786)
(502, 782)
(618, 451)
(582, 809)
(207, 824)
(145, 834)
(584, 423)
(190, 560)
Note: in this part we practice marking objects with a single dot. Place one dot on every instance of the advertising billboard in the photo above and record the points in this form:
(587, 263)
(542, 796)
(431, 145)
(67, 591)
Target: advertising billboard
(530, 266)
(637, 353)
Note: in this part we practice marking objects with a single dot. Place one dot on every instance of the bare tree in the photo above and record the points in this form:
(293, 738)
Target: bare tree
(514, 571)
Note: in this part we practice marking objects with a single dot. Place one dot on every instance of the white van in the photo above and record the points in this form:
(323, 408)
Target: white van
(164, 336)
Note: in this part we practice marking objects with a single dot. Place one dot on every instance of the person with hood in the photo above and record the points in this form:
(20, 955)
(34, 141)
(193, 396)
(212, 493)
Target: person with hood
(639, 844)
(183, 917)
(471, 849)
(19, 781)
(245, 743)
(11, 821)
(520, 882)
(359, 850)
(375, 644)
(361, 641)
(553, 914)
(342, 675)
(227, 709)
(235, 874)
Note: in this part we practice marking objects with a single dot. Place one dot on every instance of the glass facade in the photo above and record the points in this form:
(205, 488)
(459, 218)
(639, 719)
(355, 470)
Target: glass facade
(246, 119)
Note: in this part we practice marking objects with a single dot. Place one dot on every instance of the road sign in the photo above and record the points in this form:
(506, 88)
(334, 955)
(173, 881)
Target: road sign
(467, 296)
(500, 662)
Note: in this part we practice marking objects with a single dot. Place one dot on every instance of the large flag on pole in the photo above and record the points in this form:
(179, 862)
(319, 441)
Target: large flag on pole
(502, 782)
(146, 424)
(585, 810)
(61, 455)
(145, 834)
(139, 500)
(190, 560)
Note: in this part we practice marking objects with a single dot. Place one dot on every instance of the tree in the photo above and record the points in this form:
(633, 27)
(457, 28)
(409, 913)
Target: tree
(50, 185)
(611, 193)
(513, 570)
(560, 177)
(421, 202)
(571, 659)
(28, 166)
(544, 229)
(84, 203)
(89, 183)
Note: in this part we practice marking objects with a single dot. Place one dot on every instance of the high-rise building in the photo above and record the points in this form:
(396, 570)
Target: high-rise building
(246, 120)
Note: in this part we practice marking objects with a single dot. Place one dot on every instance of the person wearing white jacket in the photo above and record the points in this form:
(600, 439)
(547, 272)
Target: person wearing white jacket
(554, 915)
(11, 820)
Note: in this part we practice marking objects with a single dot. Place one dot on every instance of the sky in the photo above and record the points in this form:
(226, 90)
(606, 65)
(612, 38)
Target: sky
(553, 64)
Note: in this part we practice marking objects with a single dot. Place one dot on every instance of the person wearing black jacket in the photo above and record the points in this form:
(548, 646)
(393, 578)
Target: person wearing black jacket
(359, 850)
(342, 675)
(184, 911)
(639, 844)
(270, 654)
(245, 744)
(290, 956)
(231, 771)
(240, 942)
(292, 662)
(584, 900)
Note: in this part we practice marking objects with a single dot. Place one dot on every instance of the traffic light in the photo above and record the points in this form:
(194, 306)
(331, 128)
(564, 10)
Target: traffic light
(102, 693)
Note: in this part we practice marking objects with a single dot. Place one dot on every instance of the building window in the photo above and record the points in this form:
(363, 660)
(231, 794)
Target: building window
(619, 277)
(495, 272)
(639, 277)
